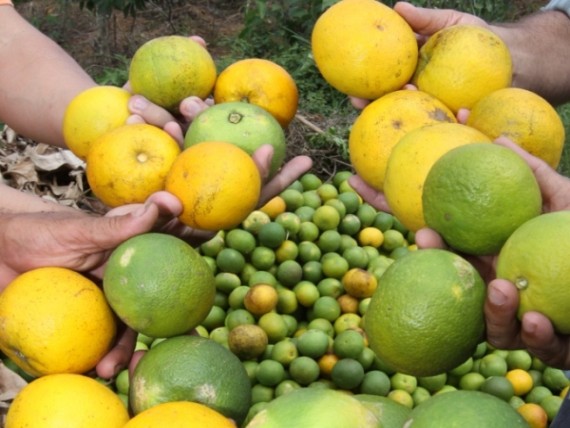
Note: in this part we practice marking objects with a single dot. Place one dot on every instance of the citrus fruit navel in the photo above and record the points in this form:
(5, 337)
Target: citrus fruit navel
(129, 163)
(533, 258)
(259, 82)
(246, 125)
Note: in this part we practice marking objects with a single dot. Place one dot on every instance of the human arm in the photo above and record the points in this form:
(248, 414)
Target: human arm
(37, 79)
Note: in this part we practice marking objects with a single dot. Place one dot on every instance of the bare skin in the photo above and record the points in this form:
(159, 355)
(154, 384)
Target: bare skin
(35, 232)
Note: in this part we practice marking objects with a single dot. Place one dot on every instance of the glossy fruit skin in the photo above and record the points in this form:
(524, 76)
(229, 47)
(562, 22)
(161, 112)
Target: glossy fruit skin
(426, 316)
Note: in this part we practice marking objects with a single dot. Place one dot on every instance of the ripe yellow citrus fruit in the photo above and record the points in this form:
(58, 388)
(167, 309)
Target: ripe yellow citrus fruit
(92, 113)
(521, 381)
(218, 184)
(178, 414)
(410, 161)
(260, 82)
(534, 414)
(159, 293)
(246, 125)
(70, 400)
(274, 207)
(533, 259)
(468, 409)
(128, 164)
(383, 123)
(461, 64)
(476, 195)
(363, 48)
(314, 407)
(426, 316)
(524, 117)
(55, 320)
(191, 368)
(168, 69)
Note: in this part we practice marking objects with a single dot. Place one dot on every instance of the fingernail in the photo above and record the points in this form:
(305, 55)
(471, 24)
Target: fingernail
(191, 107)
(496, 296)
(530, 326)
(139, 103)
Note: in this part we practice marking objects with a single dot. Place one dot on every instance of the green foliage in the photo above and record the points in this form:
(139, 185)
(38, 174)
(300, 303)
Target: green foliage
(115, 75)
(105, 7)
(564, 167)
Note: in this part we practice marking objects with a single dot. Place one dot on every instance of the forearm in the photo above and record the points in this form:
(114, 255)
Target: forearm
(15, 201)
(540, 48)
(37, 80)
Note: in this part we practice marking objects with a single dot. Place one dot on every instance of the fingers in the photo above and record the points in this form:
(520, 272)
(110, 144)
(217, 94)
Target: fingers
(429, 238)
(553, 186)
(149, 112)
(119, 356)
(191, 107)
(134, 361)
(426, 21)
(541, 340)
(369, 194)
(503, 327)
(290, 172)
(358, 103)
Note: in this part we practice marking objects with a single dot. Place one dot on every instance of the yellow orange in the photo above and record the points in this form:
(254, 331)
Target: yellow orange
(218, 184)
(524, 117)
(55, 320)
(129, 163)
(410, 161)
(168, 69)
(383, 123)
(364, 48)
(91, 114)
(178, 414)
(461, 64)
(70, 400)
(534, 414)
(261, 82)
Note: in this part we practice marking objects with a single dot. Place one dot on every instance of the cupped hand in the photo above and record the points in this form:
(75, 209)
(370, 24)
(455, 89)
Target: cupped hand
(534, 331)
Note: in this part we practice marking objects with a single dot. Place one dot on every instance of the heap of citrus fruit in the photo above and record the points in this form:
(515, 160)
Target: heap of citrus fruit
(292, 296)
(317, 290)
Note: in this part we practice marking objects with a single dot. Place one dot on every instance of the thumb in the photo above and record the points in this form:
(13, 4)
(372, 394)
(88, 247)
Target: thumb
(109, 231)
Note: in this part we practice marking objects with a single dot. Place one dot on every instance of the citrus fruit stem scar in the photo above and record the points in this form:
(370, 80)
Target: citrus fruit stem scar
(235, 117)
(521, 283)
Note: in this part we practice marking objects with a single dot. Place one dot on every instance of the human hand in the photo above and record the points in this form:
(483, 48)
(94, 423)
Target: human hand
(425, 22)
(504, 331)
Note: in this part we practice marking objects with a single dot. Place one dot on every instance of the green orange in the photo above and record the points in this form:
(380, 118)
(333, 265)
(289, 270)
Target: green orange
(533, 259)
(191, 368)
(426, 316)
(476, 195)
(159, 293)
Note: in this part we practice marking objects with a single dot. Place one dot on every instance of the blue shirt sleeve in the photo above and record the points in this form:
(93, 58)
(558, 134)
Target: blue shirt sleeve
(562, 5)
